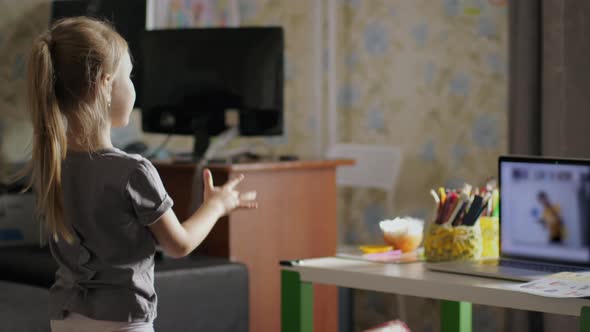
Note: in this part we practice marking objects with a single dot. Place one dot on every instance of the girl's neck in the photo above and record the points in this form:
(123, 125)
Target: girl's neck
(102, 141)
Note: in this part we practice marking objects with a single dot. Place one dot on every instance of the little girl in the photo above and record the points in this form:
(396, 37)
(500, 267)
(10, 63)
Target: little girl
(105, 210)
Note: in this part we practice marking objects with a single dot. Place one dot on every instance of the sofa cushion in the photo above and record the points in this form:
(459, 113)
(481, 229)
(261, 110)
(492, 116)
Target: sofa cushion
(29, 265)
(23, 308)
(203, 295)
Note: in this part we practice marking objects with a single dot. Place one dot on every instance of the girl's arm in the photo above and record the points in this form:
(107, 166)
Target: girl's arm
(180, 239)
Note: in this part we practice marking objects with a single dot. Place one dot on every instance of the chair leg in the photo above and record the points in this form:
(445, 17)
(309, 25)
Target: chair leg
(345, 309)
(401, 307)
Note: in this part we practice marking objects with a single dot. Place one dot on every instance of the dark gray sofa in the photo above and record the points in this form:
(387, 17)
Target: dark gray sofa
(195, 293)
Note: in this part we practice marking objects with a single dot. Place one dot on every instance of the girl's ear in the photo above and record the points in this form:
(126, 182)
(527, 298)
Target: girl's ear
(107, 81)
(107, 85)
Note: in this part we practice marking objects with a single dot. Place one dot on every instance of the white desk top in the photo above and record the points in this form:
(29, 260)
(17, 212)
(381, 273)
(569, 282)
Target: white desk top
(415, 280)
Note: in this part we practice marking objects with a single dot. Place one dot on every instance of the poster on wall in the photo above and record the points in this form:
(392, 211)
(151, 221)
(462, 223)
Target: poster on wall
(162, 14)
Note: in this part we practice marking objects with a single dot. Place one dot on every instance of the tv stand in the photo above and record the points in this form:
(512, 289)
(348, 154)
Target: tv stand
(200, 145)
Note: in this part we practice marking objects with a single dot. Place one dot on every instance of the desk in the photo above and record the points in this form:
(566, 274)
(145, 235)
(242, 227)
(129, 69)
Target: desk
(296, 217)
(458, 292)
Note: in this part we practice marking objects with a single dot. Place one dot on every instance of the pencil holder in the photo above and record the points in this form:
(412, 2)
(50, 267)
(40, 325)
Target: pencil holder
(446, 242)
(490, 232)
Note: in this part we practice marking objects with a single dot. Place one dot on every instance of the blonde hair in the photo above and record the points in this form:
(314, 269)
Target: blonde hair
(67, 103)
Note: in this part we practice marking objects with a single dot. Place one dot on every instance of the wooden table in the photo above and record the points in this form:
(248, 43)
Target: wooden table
(296, 218)
(458, 292)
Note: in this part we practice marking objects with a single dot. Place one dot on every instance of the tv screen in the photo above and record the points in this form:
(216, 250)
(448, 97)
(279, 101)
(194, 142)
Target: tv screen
(192, 77)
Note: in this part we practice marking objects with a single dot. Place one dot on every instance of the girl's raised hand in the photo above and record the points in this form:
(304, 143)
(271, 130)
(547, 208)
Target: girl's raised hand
(226, 196)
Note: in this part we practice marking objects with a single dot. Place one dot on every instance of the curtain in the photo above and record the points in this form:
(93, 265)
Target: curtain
(524, 116)
(565, 78)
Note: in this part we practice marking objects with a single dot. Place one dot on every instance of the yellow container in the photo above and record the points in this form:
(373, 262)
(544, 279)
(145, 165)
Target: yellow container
(446, 243)
(375, 249)
(490, 232)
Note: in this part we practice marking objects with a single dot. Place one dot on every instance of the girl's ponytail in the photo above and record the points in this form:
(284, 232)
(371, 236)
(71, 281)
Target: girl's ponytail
(66, 72)
(49, 141)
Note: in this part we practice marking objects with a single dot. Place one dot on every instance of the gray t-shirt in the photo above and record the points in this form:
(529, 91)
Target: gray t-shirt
(110, 198)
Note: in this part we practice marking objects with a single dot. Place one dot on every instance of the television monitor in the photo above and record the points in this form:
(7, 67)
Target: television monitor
(192, 78)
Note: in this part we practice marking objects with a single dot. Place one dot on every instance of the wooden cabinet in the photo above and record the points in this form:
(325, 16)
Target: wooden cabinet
(296, 219)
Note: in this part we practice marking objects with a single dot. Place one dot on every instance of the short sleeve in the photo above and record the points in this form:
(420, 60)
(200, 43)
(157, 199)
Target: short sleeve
(147, 194)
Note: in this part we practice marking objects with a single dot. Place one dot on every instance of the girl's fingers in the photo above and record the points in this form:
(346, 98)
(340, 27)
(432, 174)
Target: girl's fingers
(208, 178)
(236, 198)
(231, 184)
(248, 196)
(248, 205)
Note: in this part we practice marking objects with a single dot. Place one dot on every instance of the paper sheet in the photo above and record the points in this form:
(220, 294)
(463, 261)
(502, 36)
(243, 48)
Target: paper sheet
(563, 285)
(386, 257)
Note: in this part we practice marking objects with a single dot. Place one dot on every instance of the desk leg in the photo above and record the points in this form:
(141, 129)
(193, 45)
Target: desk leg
(585, 320)
(455, 316)
(296, 303)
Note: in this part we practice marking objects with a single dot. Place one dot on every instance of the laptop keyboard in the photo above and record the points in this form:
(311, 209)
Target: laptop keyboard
(539, 266)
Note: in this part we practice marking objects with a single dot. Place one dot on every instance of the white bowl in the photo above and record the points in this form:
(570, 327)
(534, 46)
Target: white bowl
(403, 233)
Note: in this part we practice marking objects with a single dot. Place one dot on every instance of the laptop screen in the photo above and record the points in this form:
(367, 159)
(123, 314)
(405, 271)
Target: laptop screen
(545, 209)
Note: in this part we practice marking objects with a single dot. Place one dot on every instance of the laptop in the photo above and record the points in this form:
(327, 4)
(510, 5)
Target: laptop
(544, 220)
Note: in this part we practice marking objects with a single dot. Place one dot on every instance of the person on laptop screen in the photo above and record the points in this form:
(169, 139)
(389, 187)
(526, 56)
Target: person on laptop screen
(551, 218)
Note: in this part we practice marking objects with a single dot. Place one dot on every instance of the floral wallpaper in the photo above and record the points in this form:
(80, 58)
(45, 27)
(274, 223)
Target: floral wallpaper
(20, 23)
(427, 76)
(431, 78)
